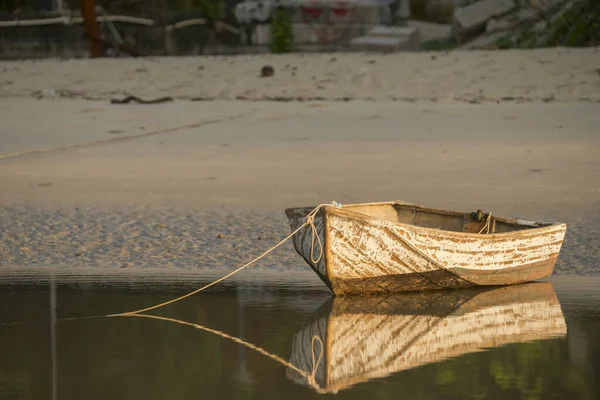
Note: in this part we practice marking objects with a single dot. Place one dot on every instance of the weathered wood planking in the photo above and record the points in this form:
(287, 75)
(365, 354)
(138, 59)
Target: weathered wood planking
(389, 247)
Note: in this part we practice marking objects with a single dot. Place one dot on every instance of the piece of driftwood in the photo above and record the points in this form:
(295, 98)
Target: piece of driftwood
(368, 337)
(129, 99)
(397, 246)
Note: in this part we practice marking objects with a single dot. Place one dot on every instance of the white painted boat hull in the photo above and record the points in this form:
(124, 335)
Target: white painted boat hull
(373, 253)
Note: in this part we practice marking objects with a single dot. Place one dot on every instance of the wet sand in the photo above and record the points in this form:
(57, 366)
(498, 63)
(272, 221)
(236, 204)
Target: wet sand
(87, 183)
(510, 158)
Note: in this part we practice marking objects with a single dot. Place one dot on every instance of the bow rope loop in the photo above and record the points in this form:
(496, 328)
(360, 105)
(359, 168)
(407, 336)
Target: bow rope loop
(310, 220)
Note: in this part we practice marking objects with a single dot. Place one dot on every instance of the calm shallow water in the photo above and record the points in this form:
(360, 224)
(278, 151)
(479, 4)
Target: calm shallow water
(534, 341)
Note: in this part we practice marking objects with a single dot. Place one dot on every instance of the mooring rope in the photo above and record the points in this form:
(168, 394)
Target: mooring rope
(310, 221)
(310, 377)
(487, 224)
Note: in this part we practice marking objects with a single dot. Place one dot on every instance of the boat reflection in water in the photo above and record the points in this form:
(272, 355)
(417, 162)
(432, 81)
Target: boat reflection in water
(369, 337)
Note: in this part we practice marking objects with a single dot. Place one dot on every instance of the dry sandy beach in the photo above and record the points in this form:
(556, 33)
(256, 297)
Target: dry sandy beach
(87, 183)
(563, 74)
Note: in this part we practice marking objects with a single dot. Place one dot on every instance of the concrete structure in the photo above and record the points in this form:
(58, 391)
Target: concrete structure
(388, 39)
(321, 24)
(471, 20)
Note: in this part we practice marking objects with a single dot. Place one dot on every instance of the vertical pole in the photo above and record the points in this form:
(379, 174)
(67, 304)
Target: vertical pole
(53, 354)
(243, 375)
(88, 12)
(169, 40)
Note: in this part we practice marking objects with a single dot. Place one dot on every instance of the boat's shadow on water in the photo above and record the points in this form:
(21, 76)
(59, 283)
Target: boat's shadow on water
(369, 337)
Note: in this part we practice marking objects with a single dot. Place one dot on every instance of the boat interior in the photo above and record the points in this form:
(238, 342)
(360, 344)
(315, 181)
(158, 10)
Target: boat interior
(473, 222)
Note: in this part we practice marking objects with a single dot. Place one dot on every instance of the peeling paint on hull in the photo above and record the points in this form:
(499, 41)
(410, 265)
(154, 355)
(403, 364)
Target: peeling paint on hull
(375, 253)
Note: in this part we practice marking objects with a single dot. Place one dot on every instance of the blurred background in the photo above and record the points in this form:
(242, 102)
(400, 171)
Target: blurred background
(56, 28)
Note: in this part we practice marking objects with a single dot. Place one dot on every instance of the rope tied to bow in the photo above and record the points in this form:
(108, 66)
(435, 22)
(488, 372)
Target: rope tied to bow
(309, 221)
(316, 361)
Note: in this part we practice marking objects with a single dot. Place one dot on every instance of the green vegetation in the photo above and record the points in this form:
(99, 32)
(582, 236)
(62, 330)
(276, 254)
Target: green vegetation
(12, 5)
(212, 10)
(575, 26)
(439, 44)
(432, 11)
(282, 36)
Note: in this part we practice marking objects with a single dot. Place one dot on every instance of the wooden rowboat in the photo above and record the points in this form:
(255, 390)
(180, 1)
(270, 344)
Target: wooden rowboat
(397, 246)
(369, 337)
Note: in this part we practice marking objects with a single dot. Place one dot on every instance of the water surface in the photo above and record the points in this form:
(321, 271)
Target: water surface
(533, 341)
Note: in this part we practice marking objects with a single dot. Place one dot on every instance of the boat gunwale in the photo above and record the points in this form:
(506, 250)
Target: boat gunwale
(491, 236)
